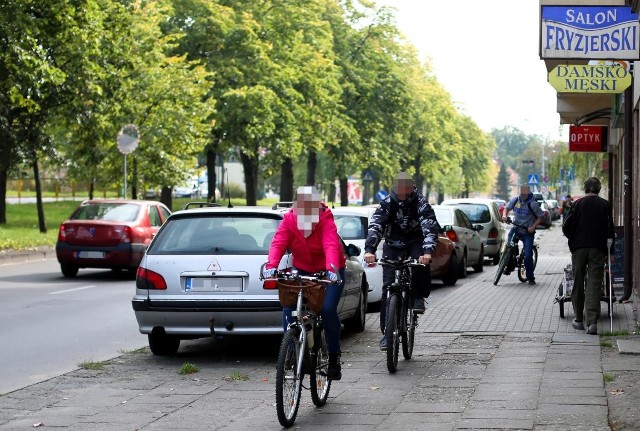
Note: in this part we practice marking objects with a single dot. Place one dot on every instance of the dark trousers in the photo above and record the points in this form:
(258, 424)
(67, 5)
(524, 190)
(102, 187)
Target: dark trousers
(420, 276)
(588, 282)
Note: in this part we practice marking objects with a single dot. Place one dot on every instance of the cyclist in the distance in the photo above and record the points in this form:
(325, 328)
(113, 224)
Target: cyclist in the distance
(410, 229)
(526, 212)
(309, 231)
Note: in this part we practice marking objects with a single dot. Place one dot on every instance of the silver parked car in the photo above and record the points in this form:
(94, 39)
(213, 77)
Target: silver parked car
(200, 277)
(484, 212)
(353, 225)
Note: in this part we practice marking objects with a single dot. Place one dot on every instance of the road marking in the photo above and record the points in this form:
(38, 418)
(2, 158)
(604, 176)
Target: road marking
(73, 290)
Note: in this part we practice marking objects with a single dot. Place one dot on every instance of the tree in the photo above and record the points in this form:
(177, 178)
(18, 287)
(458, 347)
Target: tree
(503, 186)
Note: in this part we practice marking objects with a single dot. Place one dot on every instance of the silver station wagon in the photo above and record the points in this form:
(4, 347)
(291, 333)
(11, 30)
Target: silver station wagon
(200, 278)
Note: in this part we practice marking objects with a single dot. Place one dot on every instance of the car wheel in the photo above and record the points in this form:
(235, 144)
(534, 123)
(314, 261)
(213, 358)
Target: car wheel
(69, 270)
(479, 267)
(162, 344)
(463, 266)
(451, 277)
(357, 322)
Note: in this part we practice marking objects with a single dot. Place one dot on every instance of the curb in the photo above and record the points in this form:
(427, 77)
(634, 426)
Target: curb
(19, 256)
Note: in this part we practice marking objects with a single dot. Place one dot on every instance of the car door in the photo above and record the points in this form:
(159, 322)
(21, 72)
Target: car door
(470, 236)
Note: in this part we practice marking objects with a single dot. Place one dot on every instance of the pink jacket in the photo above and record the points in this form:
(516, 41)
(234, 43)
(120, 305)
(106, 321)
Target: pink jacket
(312, 254)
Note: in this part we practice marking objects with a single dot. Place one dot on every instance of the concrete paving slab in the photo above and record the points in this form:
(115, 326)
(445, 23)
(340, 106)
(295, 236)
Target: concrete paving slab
(630, 347)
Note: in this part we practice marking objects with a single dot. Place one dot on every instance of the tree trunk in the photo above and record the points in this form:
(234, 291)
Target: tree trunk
(376, 186)
(286, 180)
(344, 197)
(166, 197)
(3, 194)
(211, 174)
(36, 176)
(440, 197)
(312, 164)
(250, 165)
(92, 185)
(332, 193)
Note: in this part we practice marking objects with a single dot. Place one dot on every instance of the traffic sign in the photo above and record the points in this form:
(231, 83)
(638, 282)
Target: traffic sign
(381, 194)
(533, 179)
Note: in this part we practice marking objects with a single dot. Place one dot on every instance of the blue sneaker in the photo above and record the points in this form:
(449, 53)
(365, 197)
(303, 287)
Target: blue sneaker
(418, 305)
(383, 344)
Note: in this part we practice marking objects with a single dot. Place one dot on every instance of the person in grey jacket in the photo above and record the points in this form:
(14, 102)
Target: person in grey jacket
(588, 227)
(526, 212)
(410, 229)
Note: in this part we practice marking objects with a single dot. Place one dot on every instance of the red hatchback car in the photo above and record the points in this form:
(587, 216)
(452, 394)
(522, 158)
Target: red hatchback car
(108, 233)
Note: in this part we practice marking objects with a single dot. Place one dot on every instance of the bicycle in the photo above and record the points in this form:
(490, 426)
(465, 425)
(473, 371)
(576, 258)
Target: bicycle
(513, 259)
(303, 349)
(401, 321)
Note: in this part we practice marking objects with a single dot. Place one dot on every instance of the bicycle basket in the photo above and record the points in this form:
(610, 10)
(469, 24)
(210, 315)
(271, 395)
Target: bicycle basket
(312, 292)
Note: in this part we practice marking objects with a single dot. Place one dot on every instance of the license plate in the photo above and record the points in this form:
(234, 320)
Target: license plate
(213, 284)
(91, 254)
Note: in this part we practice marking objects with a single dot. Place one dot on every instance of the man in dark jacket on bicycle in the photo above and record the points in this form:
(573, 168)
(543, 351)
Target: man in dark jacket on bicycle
(526, 212)
(410, 229)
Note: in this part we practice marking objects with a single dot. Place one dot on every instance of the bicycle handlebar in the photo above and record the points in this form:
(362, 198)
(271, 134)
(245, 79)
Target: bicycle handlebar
(399, 263)
(319, 277)
(509, 221)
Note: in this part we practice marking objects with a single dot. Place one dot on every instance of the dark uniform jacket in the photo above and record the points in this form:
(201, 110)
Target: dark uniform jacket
(402, 223)
(589, 223)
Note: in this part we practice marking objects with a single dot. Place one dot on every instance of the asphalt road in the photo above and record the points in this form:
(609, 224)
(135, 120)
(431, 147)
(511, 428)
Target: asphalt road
(49, 324)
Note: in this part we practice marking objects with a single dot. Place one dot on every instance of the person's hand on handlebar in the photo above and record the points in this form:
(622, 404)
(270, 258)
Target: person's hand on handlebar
(370, 258)
(269, 273)
(425, 259)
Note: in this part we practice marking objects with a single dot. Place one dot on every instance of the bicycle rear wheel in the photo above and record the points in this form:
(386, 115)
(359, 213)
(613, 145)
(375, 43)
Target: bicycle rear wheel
(504, 260)
(522, 271)
(288, 379)
(391, 332)
(410, 321)
(319, 382)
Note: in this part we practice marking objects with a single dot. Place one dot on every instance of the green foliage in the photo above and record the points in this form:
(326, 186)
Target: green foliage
(188, 368)
(92, 365)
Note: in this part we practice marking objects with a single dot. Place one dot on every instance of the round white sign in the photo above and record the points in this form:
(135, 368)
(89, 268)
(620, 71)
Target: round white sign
(128, 139)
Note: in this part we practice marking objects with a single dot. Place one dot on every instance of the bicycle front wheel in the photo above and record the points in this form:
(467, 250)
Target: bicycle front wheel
(391, 332)
(319, 382)
(288, 379)
(410, 321)
(504, 260)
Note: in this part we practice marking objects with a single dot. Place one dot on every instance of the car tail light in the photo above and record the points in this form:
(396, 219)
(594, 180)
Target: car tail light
(62, 235)
(451, 234)
(493, 233)
(126, 234)
(147, 279)
(270, 284)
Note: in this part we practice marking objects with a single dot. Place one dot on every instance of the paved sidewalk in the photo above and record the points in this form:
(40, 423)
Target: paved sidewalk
(486, 357)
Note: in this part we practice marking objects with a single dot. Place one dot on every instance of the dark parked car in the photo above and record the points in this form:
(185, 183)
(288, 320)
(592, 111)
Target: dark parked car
(201, 277)
(464, 235)
(108, 233)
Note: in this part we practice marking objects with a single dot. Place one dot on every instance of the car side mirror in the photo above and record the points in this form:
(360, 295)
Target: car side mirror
(353, 250)
(447, 228)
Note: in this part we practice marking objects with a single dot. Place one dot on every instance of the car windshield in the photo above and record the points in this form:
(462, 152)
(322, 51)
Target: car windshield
(477, 213)
(351, 226)
(112, 211)
(444, 216)
(221, 234)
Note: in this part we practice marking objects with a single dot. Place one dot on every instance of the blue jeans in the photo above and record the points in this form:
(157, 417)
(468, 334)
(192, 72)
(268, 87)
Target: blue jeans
(527, 241)
(329, 314)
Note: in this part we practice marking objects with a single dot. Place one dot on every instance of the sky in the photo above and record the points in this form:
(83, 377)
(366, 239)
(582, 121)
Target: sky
(485, 54)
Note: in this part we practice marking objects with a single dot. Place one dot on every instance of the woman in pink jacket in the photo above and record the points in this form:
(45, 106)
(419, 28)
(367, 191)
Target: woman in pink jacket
(309, 231)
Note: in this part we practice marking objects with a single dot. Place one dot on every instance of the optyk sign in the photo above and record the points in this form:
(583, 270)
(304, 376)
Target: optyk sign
(588, 138)
(589, 32)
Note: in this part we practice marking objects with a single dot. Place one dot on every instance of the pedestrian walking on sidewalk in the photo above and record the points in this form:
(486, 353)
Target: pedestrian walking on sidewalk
(526, 212)
(587, 227)
(410, 228)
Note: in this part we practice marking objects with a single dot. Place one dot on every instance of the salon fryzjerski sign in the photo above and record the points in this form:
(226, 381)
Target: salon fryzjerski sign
(589, 32)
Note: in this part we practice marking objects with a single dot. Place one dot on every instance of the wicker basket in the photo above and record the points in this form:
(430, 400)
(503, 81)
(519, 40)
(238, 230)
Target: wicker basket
(313, 294)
